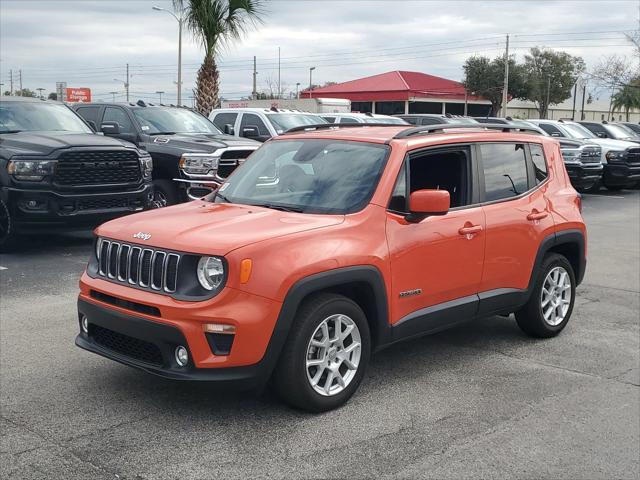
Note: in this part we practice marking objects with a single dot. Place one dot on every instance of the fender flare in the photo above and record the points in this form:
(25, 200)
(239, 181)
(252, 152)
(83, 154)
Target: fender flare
(328, 280)
(562, 237)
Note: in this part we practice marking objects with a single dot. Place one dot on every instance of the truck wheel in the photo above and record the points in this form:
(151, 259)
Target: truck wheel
(595, 188)
(7, 229)
(551, 303)
(326, 354)
(165, 193)
(614, 188)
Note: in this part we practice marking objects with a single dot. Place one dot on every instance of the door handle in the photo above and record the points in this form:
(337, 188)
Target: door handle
(471, 230)
(535, 215)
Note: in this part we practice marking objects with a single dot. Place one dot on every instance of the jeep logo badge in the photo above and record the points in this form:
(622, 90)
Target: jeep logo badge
(142, 236)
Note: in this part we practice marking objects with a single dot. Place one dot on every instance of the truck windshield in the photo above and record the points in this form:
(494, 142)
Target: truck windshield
(155, 120)
(309, 176)
(575, 130)
(25, 116)
(284, 121)
(618, 132)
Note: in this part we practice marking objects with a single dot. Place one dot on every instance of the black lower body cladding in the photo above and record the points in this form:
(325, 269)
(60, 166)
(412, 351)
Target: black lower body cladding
(621, 175)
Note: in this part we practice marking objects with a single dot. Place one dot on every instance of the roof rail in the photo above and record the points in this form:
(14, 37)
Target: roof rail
(409, 132)
(335, 126)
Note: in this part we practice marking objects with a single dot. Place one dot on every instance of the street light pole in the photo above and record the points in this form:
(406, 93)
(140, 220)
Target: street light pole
(180, 21)
(297, 93)
(311, 69)
(160, 92)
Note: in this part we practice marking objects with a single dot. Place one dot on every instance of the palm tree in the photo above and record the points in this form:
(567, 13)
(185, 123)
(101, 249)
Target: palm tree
(627, 98)
(215, 23)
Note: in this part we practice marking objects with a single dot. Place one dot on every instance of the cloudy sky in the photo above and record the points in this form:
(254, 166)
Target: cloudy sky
(88, 43)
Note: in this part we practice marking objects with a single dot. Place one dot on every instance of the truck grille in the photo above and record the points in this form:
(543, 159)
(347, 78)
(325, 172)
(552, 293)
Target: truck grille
(633, 156)
(134, 265)
(230, 160)
(591, 154)
(126, 345)
(98, 168)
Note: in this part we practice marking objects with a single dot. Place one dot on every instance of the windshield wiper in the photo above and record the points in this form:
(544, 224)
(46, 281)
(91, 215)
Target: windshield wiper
(163, 133)
(219, 195)
(283, 208)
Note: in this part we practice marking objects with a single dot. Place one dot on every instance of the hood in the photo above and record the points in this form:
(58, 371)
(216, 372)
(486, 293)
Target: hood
(204, 143)
(45, 143)
(211, 228)
(612, 144)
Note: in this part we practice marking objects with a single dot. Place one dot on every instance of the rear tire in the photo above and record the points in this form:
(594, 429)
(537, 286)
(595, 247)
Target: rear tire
(8, 236)
(165, 193)
(614, 188)
(317, 371)
(549, 308)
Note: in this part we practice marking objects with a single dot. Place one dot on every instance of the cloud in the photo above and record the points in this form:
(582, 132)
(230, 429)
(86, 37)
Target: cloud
(89, 43)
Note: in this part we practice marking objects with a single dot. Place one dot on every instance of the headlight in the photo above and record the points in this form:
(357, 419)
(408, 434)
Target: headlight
(205, 164)
(211, 273)
(146, 164)
(614, 156)
(572, 156)
(31, 170)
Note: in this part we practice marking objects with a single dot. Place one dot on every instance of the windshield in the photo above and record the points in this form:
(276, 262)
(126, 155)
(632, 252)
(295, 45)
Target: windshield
(310, 176)
(155, 120)
(39, 117)
(618, 132)
(575, 130)
(284, 121)
(387, 120)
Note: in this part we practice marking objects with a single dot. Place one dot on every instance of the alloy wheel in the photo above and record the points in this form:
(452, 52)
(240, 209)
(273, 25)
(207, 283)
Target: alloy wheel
(555, 297)
(333, 355)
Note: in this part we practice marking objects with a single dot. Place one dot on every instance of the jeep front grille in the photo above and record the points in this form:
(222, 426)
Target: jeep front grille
(80, 168)
(149, 268)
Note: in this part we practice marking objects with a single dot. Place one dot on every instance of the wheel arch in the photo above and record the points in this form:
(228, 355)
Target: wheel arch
(568, 243)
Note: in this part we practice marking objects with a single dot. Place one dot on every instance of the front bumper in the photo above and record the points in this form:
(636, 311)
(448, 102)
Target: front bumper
(621, 175)
(39, 207)
(196, 189)
(584, 176)
(174, 323)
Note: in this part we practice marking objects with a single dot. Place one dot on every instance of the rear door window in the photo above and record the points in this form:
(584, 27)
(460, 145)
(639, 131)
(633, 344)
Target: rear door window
(89, 113)
(505, 170)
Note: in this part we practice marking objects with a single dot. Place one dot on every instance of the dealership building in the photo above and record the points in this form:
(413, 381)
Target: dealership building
(405, 92)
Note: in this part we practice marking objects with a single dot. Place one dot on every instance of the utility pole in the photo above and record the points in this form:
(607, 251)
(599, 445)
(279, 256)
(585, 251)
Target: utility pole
(160, 92)
(20, 73)
(584, 94)
(505, 88)
(297, 93)
(126, 85)
(11, 82)
(254, 94)
(575, 91)
(40, 90)
(546, 113)
(311, 69)
(279, 91)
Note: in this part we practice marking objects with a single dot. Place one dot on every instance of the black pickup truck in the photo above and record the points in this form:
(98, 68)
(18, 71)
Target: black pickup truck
(172, 135)
(56, 172)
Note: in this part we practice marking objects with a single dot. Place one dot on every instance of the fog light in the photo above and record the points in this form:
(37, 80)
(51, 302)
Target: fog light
(182, 357)
(85, 324)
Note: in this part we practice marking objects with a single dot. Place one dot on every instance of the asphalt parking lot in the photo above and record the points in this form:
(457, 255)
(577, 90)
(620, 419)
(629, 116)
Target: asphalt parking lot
(479, 401)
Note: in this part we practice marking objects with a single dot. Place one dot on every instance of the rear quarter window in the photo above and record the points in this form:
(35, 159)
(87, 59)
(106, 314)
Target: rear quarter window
(539, 163)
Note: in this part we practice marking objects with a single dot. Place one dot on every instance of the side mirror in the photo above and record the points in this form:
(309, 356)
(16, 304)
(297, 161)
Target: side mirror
(110, 128)
(229, 130)
(423, 203)
(250, 132)
(601, 135)
(555, 134)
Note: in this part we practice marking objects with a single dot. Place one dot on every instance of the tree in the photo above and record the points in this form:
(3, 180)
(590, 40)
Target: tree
(215, 23)
(614, 72)
(53, 96)
(549, 77)
(25, 92)
(627, 98)
(485, 77)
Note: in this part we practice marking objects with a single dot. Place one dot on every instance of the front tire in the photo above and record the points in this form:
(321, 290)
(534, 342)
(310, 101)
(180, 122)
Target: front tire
(326, 354)
(8, 234)
(549, 308)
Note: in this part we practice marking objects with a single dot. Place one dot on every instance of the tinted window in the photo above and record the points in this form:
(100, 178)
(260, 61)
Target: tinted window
(597, 129)
(251, 120)
(90, 114)
(222, 119)
(431, 121)
(115, 114)
(39, 117)
(398, 202)
(550, 129)
(539, 162)
(348, 120)
(441, 170)
(505, 170)
(330, 119)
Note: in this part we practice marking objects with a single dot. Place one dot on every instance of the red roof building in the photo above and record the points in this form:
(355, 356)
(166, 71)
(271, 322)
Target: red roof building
(404, 92)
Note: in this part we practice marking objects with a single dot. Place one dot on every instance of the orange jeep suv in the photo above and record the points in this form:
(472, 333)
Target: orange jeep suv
(331, 242)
